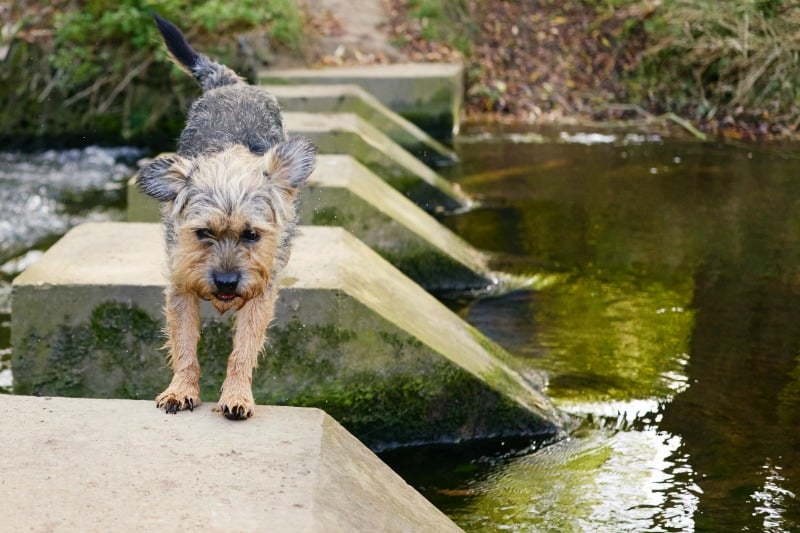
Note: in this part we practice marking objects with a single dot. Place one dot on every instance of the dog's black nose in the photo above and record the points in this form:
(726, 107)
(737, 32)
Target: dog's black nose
(226, 282)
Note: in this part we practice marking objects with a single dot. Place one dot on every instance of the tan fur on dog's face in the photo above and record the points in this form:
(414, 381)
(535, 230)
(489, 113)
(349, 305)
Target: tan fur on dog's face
(229, 207)
(228, 213)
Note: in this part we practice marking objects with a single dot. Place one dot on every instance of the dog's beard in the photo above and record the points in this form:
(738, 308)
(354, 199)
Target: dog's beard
(223, 306)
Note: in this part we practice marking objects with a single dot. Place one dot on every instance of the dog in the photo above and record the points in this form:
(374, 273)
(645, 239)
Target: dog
(229, 197)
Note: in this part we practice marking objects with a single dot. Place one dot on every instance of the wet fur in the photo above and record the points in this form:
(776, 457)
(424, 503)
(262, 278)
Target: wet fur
(234, 175)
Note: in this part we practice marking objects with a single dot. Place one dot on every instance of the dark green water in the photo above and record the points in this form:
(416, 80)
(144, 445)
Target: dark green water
(664, 302)
(661, 295)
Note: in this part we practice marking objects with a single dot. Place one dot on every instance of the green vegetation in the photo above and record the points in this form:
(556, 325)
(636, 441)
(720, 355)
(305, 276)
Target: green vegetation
(101, 74)
(128, 38)
(444, 21)
(86, 71)
(722, 62)
(728, 66)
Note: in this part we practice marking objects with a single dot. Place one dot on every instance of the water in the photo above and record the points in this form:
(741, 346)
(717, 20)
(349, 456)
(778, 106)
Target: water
(665, 305)
(42, 195)
(662, 297)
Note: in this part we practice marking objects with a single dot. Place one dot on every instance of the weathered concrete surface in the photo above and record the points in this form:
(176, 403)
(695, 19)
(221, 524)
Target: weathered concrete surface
(347, 133)
(430, 95)
(352, 335)
(342, 192)
(119, 465)
(354, 99)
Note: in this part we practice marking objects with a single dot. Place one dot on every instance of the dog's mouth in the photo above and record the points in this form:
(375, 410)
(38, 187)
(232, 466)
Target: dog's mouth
(225, 296)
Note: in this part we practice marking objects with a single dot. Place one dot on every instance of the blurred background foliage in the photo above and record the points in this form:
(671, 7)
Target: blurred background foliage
(94, 71)
(74, 72)
(730, 66)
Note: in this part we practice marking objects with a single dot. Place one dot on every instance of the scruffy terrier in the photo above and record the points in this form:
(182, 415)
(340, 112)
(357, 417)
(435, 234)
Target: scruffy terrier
(229, 206)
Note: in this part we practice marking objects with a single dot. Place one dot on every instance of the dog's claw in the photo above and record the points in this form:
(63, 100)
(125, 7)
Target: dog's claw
(172, 407)
(237, 413)
(172, 403)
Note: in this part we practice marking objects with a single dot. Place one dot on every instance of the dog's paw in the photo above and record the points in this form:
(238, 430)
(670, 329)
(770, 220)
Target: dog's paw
(236, 406)
(173, 401)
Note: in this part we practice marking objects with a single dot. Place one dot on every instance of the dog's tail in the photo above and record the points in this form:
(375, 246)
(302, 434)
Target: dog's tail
(209, 74)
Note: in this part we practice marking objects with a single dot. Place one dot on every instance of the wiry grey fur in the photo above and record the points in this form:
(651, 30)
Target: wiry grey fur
(229, 113)
(229, 204)
(232, 114)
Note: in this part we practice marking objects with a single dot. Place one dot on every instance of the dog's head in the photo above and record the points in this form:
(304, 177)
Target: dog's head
(229, 212)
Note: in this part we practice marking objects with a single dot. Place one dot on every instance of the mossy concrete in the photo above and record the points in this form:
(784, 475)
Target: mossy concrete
(119, 465)
(352, 335)
(354, 99)
(342, 192)
(430, 95)
(347, 133)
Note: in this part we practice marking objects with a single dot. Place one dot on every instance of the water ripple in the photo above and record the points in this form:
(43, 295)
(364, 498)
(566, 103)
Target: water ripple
(46, 193)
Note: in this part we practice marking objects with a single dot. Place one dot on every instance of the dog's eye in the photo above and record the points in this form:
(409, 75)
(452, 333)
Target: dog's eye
(203, 234)
(249, 235)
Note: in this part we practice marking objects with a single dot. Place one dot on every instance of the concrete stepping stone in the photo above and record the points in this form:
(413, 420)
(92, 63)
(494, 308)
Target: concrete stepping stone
(347, 133)
(354, 99)
(342, 192)
(430, 95)
(352, 335)
(119, 465)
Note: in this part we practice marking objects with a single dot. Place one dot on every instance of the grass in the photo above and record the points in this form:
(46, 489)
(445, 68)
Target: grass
(710, 61)
(740, 58)
(103, 63)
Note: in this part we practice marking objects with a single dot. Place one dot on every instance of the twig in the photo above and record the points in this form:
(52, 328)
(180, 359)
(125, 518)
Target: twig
(124, 83)
(86, 92)
(685, 124)
(666, 117)
(50, 86)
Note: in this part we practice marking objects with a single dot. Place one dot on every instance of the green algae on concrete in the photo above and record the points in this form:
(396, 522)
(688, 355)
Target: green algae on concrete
(352, 336)
(342, 192)
(120, 465)
(354, 99)
(347, 133)
(430, 95)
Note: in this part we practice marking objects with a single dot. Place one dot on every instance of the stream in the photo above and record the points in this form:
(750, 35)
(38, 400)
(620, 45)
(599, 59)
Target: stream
(660, 292)
(664, 303)
(43, 195)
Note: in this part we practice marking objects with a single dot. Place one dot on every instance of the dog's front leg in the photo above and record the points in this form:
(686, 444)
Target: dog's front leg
(183, 329)
(236, 398)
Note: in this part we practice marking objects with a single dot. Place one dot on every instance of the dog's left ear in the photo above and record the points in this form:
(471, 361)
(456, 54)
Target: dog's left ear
(291, 162)
(164, 177)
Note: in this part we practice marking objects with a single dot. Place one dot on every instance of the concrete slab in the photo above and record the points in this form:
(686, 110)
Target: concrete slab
(430, 95)
(354, 99)
(342, 192)
(120, 465)
(352, 335)
(347, 133)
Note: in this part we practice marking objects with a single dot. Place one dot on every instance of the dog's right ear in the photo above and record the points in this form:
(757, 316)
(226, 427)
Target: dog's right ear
(164, 177)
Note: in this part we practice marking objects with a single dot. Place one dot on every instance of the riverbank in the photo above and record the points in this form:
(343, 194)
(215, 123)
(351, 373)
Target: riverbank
(598, 64)
(617, 63)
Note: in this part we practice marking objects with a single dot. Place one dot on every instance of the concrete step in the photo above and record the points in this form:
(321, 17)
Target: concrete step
(119, 465)
(342, 192)
(430, 95)
(354, 99)
(347, 133)
(352, 335)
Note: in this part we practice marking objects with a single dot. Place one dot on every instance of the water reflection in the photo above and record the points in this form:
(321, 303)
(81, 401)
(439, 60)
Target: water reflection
(626, 481)
(671, 324)
(739, 417)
